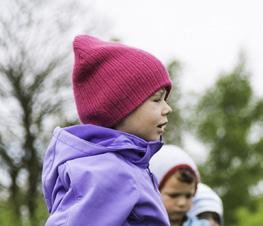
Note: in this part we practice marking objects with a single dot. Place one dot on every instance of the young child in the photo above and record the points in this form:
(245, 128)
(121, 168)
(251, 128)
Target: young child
(96, 174)
(207, 205)
(178, 177)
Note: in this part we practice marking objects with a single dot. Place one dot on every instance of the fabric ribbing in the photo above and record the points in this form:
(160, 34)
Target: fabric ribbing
(110, 80)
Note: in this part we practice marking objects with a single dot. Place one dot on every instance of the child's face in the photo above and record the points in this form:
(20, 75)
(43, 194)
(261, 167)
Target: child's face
(177, 198)
(149, 120)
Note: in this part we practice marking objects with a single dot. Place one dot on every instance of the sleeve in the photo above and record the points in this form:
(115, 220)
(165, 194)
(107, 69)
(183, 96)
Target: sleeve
(100, 191)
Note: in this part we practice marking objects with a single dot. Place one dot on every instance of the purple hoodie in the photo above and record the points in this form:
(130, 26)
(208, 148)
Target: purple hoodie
(96, 176)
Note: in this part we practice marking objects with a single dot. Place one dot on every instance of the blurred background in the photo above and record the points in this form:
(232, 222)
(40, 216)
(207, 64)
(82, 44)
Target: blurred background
(213, 51)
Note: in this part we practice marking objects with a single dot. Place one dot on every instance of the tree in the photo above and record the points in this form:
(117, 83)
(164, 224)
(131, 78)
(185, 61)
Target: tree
(174, 129)
(34, 88)
(227, 119)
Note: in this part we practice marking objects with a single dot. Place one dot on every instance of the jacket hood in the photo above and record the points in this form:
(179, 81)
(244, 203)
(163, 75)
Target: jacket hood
(88, 140)
(207, 200)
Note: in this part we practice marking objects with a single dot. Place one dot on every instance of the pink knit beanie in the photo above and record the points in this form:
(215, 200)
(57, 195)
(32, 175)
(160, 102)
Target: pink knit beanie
(110, 80)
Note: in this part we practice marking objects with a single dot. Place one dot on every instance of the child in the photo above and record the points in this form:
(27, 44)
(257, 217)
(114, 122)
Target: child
(178, 177)
(207, 205)
(96, 174)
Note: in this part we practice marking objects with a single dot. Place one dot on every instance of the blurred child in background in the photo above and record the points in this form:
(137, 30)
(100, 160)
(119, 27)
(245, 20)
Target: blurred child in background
(207, 205)
(178, 177)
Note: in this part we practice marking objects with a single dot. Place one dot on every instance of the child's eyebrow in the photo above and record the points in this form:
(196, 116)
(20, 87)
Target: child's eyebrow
(180, 193)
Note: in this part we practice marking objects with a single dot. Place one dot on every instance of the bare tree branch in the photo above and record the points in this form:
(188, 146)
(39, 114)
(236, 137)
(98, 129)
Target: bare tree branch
(34, 44)
(4, 155)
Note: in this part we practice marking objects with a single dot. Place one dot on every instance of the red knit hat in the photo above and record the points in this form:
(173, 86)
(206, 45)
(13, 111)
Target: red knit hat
(110, 80)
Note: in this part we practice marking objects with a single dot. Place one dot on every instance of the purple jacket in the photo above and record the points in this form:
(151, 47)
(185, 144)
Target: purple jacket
(96, 176)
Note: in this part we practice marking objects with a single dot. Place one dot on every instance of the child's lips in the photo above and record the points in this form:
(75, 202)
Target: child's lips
(178, 215)
(162, 126)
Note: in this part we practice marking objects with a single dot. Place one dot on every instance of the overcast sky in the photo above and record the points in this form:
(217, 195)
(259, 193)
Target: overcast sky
(205, 35)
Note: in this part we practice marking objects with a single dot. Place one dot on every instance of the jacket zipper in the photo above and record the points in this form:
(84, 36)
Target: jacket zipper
(155, 186)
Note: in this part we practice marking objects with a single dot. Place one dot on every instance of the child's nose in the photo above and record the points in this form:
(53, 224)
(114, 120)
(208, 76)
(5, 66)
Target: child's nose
(167, 109)
(182, 202)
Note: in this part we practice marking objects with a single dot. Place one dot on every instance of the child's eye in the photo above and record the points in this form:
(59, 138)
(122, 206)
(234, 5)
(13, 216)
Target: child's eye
(173, 196)
(188, 196)
(157, 99)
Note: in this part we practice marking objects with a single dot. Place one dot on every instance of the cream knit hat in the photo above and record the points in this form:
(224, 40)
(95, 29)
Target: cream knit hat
(206, 200)
(171, 157)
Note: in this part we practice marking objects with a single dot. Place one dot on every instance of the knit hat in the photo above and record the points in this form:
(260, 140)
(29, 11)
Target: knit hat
(167, 160)
(110, 80)
(206, 200)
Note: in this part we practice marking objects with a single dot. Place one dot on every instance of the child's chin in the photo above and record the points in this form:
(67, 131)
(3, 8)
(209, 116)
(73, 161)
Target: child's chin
(155, 138)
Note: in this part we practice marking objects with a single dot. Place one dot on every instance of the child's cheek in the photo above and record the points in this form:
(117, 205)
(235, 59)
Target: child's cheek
(168, 203)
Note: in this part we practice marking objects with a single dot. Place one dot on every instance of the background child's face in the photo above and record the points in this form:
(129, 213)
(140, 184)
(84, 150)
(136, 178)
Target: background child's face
(149, 120)
(177, 198)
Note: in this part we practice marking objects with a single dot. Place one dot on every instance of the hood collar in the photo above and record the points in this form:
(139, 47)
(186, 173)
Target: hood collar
(92, 140)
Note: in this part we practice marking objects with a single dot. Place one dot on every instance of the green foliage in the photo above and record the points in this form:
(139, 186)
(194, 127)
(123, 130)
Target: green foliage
(250, 218)
(41, 213)
(225, 118)
(7, 217)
